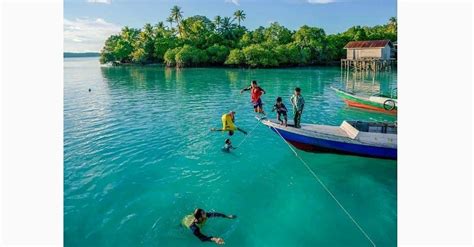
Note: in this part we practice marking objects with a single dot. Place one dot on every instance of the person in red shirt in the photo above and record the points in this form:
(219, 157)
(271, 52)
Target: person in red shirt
(255, 93)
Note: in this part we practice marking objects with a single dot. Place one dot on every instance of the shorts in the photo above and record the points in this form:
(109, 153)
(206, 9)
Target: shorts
(281, 113)
(257, 103)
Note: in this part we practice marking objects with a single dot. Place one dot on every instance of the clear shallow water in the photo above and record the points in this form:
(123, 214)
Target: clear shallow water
(138, 156)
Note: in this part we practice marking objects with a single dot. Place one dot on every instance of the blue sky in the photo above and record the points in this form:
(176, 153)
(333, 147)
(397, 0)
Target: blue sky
(87, 23)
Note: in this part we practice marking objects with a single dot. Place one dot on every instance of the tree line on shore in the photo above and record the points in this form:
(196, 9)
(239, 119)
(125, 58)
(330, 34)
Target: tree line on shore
(223, 41)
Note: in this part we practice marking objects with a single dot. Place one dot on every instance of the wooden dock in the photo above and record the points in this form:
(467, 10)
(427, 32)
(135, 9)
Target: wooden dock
(366, 64)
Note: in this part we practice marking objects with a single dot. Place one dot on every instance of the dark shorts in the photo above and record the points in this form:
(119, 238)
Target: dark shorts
(281, 113)
(257, 103)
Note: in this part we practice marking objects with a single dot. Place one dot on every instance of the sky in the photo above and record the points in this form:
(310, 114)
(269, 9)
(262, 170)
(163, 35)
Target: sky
(88, 23)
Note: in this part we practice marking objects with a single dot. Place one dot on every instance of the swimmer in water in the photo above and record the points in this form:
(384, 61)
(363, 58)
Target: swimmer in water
(227, 146)
(196, 221)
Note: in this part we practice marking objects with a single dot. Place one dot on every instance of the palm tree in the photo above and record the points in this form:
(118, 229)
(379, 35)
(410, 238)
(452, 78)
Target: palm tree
(226, 23)
(392, 24)
(177, 15)
(170, 21)
(218, 21)
(160, 25)
(239, 15)
(227, 27)
(148, 28)
(392, 20)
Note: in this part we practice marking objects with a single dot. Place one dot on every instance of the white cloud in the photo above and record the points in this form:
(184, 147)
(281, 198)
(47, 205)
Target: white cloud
(100, 1)
(87, 34)
(236, 2)
(321, 1)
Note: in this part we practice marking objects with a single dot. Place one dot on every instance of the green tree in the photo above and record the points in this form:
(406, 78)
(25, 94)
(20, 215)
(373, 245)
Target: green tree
(335, 46)
(356, 33)
(217, 54)
(392, 21)
(236, 57)
(258, 35)
(144, 46)
(277, 34)
(198, 31)
(164, 41)
(108, 52)
(170, 56)
(312, 38)
(124, 47)
(170, 20)
(160, 25)
(392, 27)
(190, 56)
(227, 28)
(258, 56)
(198, 41)
(218, 22)
(177, 15)
(239, 15)
(291, 54)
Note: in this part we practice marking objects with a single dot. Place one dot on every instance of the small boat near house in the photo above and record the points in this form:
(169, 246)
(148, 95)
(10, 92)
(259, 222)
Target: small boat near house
(377, 102)
(371, 139)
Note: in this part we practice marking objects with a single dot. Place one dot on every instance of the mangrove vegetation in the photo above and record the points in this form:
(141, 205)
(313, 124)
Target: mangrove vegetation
(224, 41)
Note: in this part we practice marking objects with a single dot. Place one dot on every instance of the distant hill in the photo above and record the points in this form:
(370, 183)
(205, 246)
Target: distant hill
(81, 54)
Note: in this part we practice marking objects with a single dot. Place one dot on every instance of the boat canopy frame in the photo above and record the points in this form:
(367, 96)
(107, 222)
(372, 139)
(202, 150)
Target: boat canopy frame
(374, 127)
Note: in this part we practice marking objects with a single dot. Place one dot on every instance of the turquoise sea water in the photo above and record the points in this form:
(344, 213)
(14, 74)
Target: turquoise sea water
(138, 156)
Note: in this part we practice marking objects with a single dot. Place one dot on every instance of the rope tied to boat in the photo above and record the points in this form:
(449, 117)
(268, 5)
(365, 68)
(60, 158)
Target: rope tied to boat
(246, 136)
(325, 188)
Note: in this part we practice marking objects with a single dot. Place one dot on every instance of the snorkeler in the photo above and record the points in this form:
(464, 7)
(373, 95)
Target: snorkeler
(197, 220)
(228, 146)
(281, 110)
(255, 93)
(228, 124)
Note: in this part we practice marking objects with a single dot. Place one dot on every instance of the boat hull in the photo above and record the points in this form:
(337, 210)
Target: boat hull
(364, 103)
(318, 144)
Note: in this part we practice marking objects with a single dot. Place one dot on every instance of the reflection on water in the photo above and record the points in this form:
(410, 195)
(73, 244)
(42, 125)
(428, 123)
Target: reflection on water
(367, 83)
(363, 83)
(220, 88)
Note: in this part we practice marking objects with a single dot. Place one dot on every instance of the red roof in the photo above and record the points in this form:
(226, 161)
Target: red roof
(368, 44)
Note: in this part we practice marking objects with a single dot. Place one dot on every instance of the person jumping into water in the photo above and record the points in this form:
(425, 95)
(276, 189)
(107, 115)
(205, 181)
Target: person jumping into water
(281, 110)
(255, 93)
(228, 120)
(196, 221)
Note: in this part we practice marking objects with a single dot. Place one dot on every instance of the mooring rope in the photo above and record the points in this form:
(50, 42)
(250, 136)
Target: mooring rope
(248, 134)
(326, 188)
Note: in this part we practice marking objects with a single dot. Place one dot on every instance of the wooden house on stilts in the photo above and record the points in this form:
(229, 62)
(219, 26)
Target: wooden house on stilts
(375, 55)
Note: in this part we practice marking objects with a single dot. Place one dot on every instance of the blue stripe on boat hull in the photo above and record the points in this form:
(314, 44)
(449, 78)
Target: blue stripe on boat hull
(317, 144)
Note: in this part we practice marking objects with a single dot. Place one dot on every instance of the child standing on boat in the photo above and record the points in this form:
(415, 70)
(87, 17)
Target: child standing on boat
(255, 93)
(297, 101)
(281, 110)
